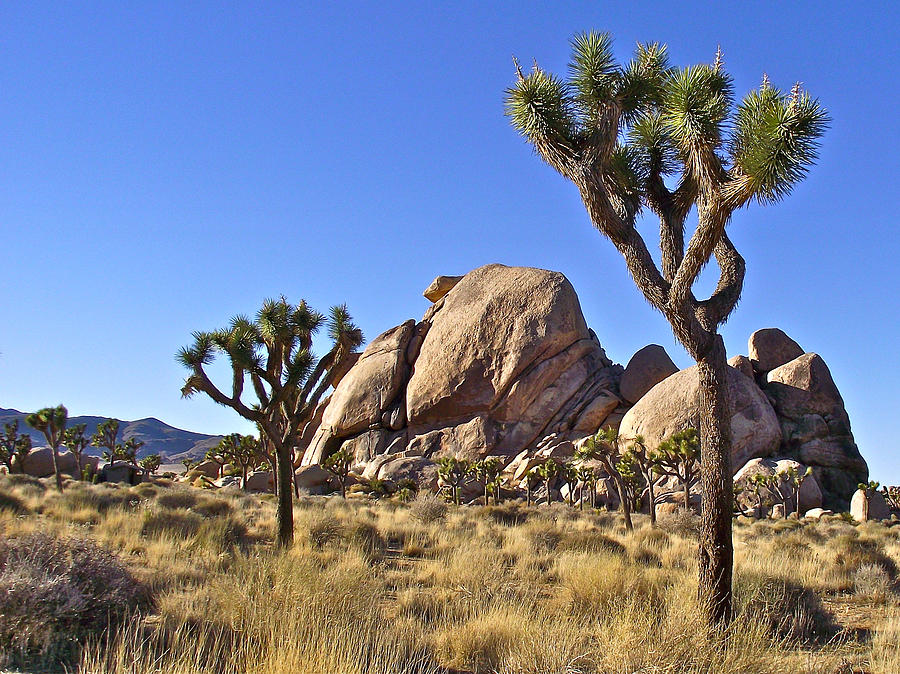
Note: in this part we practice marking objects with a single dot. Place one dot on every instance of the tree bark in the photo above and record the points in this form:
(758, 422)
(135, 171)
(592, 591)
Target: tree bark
(59, 486)
(716, 552)
(283, 480)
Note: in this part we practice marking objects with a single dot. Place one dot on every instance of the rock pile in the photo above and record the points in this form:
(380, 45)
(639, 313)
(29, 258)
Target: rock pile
(503, 364)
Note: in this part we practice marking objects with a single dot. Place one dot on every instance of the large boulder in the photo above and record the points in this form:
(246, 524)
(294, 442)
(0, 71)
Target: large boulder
(868, 505)
(673, 405)
(39, 463)
(260, 481)
(208, 468)
(646, 369)
(770, 347)
(815, 426)
(509, 344)
(370, 389)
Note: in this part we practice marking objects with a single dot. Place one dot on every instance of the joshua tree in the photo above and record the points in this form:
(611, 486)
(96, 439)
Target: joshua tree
(678, 457)
(568, 471)
(891, 496)
(407, 488)
(188, 464)
(242, 451)
(646, 462)
(14, 447)
(217, 456)
(274, 351)
(338, 464)
(793, 480)
(632, 480)
(546, 471)
(76, 442)
(586, 478)
(453, 472)
(647, 135)
(151, 463)
(603, 446)
(107, 437)
(531, 479)
(51, 421)
(485, 472)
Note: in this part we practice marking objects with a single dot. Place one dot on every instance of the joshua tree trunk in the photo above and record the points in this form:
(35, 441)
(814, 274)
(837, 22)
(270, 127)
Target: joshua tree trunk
(528, 494)
(59, 486)
(285, 510)
(651, 495)
(244, 477)
(716, 552)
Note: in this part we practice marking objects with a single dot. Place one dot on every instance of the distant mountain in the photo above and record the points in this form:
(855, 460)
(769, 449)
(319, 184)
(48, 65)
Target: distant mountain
(172, 444)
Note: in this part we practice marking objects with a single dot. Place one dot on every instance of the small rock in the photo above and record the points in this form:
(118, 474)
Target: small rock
(440, 287)
(646, 369)
(770, 348)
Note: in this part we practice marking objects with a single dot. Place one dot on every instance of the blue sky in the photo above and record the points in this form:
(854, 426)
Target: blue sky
(164, 166)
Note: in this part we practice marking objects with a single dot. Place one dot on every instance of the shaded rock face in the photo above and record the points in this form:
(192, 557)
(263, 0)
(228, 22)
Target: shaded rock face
(673, 405)
(501, 360)
(866, 506)
(815, 426)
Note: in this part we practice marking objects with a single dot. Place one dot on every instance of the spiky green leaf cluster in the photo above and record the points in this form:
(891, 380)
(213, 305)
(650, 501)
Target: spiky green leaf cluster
(776, 140)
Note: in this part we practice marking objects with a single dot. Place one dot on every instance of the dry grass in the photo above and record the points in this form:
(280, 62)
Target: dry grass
(386, 587)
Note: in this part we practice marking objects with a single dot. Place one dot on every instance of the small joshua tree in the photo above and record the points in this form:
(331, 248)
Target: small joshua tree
(453, 472)
(568, 472)
(632, 480)
(107, 437)
(891, 496)
(793, 479)
(76, 442)
(485, 472)
(646, 462)
(242, 451)
(603, 446)
(546, 471)
(51, 421)
(188, 464)
(407, 489)
(586, 478)
(532, 478)
(151, 463)
(338, 464)
(217, 456)
(679, 457)
(14, 447)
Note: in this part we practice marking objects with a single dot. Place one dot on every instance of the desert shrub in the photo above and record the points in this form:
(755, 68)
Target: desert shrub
(175, 523)
(681, 522)
(871, 581)
(589, 541)
(364, 537)
(19, 479)
(786, 609)
(324, 529)
(212, 507)
(652, 537)
(12, 503)
(645, 557)
(55, 592)
(509, 515)
(853, 552)
(221, 533)
(177, 498)
(145, 490)
(428, 508)
(480, 645)
(544, 538)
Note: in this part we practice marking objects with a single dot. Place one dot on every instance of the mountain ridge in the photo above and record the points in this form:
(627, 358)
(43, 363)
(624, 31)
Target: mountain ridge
(172, 444)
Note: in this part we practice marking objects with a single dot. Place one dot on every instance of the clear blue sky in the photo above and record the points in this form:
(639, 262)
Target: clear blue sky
(166, 165)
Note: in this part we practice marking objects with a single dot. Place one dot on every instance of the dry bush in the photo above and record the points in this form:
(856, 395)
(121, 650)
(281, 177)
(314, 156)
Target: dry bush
(323, 530)
(177, 498)
(681, 522)
(428, 508)
(12, 503)
(786, 609)
(871, 581)
(364, 537)
(56, 591)
(174, 523)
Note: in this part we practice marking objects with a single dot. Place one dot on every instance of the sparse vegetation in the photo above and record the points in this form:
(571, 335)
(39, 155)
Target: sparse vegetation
(383, 586)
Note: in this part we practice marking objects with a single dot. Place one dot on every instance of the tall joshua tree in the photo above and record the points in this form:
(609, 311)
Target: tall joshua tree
(51, 421)
(274, 351)
(647, 135)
